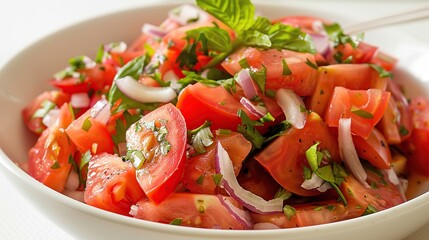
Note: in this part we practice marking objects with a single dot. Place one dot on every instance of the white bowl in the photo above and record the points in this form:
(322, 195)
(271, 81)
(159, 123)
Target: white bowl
(19, 86)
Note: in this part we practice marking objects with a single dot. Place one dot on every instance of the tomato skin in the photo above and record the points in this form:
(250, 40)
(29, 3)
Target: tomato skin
(372, 101)
(160, 175)
(52, 148)
(111, 184)
(381, 195)
(351, 76)
(204, 164)
(363, 53)
(199, 103)
(195, 210)
(302, 78)
(284, 158)
(415, 147)
(374, 149)
(95, 78)
(35, 124)
(96, 138)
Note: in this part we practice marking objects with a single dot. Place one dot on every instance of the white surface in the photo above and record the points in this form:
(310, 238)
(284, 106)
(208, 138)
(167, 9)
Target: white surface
(22, 22)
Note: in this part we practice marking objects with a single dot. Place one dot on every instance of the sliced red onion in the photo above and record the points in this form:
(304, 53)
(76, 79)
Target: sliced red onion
(318, 27)
(116, 47)
(101, 111)
(80, 100)
(76, 195)
(265, 226)
(313, 183)
(324, 187)
(244, 79)
(144, 94)
(186, 14)
(348, 151)
(153, 30)
(171, 77)
(134, 210)
(321, 41)
(293, 107)
(393, 178)
(240, 215)
(89, 63)
(229, 182)
(257, 110)
(72, 181)
(51, 117)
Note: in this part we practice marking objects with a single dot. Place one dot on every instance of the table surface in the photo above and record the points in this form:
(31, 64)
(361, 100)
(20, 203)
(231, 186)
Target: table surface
(24, 21)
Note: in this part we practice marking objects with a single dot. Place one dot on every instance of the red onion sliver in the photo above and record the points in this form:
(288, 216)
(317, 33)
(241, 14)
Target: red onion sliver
(246, 82)
(292, 106)
(142, 93)
(134, 210)
(239, 214)
(265, 226)
(312, 183)
(393, 178)
(101, 111)
(257, 110)
(153, 30)
(230, 184)
(51, 117)
(186, 14)
(348, 151)
(80, 100)
(72, 181)
(321, 42)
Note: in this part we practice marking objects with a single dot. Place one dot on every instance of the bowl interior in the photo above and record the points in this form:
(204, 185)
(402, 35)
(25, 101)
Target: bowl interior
(27, 75)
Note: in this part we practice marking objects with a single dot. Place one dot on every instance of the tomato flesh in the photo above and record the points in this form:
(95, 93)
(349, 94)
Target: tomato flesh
(200, 169)
(111, 184)
(364, 107)
(374, 149)
(162, 170)
(48, 160)
(193, 210)
(284, 158)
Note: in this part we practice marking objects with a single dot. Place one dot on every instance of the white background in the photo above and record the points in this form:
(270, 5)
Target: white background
(23, 22)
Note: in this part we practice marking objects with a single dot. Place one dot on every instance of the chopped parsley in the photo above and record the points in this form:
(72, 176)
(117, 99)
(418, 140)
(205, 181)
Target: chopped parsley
(87, 124)
(176, 221)
(286, 70)
(217, 178)
(56, 165)
(289, 211)
(361, 113)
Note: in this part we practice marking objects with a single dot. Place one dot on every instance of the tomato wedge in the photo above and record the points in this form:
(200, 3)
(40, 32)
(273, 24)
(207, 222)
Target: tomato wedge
(48, 160)
(34, 112)
(364, 107)
(285, 159)
(201, 168)
(111, 184)
(157, 146)
(302, 77)
(350, 76)
(374, 149)
(88, 133)
(199, 103)
(196, 210)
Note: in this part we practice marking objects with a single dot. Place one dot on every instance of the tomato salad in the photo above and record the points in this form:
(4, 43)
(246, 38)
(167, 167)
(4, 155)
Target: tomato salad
(218, 118)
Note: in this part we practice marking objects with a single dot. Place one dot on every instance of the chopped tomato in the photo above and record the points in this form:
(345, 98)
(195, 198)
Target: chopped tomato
(48, 160)
(384, 60)
(199, 103)
(351, 76)
(374, 149)
(306, 23)
(88, 133)
(159, 137)
(363, 53)
(284, 158)
(200, 169)
(416, 146)
(254, 178)
(193, 210)
(94, 78)
(364, 107)
(34, 112)
(302, 77)
(382, 194)
(112, 184)
(310, 214)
